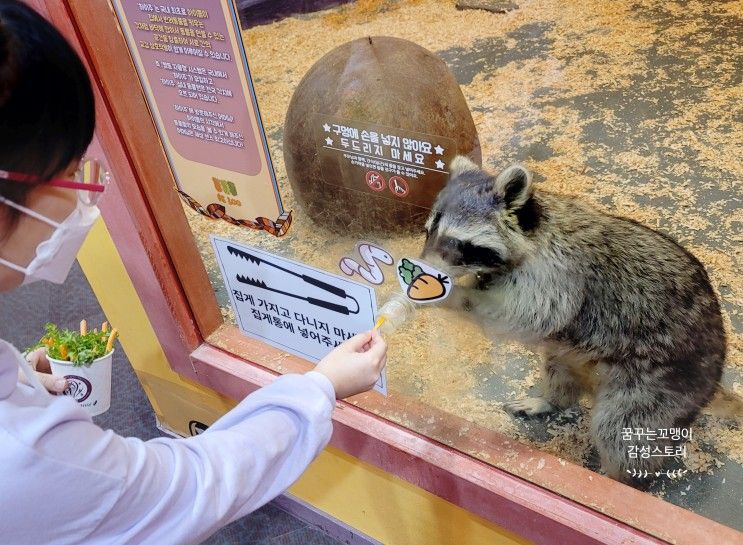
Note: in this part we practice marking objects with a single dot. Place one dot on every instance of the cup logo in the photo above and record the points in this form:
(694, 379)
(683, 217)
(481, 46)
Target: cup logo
(78, 388)
(196, 427)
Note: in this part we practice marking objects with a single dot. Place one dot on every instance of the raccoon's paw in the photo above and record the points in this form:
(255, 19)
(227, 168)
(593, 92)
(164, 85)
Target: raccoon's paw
(530, 406)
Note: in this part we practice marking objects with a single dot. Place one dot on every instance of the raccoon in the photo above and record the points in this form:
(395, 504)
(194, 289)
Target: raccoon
(590, 291)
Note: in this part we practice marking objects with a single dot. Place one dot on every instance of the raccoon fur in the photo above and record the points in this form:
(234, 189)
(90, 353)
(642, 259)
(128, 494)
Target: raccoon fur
(588, 290)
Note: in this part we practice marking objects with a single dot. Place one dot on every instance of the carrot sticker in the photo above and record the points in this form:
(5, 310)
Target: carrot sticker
(422, 283)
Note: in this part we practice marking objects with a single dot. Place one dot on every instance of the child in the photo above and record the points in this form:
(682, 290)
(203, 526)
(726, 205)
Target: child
(63, 479)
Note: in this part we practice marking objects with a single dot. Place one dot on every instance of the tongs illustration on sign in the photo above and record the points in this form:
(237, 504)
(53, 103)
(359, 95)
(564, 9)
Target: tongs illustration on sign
(339, 292)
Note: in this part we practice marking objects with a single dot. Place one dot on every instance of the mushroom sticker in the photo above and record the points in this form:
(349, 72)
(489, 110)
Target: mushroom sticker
(421, 282)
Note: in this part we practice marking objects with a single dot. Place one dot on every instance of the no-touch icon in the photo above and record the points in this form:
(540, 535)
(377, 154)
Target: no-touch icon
(375, 180)
(399, 186)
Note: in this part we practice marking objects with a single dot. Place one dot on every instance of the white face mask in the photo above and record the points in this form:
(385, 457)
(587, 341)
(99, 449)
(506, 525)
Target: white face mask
(55, 256)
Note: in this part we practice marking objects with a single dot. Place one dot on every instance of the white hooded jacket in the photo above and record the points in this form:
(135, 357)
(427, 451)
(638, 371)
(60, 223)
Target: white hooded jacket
(64, 480)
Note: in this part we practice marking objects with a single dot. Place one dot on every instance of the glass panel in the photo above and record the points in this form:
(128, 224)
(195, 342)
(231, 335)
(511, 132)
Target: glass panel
(629, 108)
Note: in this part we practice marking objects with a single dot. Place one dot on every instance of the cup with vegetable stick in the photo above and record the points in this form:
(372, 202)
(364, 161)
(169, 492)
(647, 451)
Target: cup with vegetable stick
(84, 358)
(395, 312)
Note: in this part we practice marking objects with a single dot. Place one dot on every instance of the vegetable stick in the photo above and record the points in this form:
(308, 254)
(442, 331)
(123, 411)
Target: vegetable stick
(83, 327)
(380, 321)
(111, 339)
(104, 326)
(63, 352)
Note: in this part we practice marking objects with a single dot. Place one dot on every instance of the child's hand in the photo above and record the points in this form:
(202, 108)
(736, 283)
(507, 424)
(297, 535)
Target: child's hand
(354, 366)
(38, 362)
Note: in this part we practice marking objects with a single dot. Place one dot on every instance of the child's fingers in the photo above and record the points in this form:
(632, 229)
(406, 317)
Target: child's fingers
(375, 335)
(37, 359)
(52, 383)
(376, 338)
(357, 342)
(378, 348)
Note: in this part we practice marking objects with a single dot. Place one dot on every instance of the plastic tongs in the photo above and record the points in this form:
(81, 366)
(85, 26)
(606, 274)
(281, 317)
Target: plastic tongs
(339, 292)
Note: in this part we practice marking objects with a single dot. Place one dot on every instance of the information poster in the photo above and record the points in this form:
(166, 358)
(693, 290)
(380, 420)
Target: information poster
(296, 308)
(194, 72)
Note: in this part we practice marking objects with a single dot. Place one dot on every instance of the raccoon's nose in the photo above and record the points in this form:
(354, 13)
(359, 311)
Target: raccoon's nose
(453, 257)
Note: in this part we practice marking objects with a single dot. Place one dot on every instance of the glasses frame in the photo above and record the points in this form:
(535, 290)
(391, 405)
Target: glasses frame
(89, 192)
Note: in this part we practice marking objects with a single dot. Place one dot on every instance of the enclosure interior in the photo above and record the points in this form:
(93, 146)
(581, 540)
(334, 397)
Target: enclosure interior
(632, 107)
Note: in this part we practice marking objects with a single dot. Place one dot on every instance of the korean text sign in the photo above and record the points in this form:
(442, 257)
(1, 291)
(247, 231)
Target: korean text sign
(294, 307)
(194, 73)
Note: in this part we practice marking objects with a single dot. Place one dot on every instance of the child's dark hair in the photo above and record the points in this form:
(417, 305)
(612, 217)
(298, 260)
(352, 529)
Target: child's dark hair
(47, 112)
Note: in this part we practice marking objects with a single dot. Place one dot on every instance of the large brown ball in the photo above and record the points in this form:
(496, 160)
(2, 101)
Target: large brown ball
(390, 87)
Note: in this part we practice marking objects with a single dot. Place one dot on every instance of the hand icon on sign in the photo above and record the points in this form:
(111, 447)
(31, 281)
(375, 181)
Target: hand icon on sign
(399, 186)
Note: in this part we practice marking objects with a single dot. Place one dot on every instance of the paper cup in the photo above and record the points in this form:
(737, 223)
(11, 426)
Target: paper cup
(90, 385)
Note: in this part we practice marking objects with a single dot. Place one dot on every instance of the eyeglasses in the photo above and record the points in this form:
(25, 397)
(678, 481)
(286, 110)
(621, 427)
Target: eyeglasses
(90, 179)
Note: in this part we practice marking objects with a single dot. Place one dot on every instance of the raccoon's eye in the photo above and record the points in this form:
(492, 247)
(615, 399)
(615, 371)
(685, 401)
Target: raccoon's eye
(480, 255)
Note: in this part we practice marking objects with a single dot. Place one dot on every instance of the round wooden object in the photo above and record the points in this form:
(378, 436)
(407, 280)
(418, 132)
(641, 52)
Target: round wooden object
(389, 86)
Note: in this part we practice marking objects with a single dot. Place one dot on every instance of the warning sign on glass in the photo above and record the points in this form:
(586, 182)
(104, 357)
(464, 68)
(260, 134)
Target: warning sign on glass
(386, 161)
(194, 73)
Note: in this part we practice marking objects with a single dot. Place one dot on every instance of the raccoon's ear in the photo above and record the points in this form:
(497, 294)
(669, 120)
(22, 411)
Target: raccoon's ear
(513, 186)
(460, 165)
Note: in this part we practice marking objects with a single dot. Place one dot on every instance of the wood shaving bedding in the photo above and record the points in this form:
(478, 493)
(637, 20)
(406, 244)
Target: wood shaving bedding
(569, 100)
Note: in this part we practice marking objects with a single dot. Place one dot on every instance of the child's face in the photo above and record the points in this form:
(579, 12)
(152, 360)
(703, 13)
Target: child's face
(19, 247)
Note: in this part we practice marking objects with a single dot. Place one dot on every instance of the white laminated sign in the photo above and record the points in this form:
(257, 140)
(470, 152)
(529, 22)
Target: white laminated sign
(294, 307)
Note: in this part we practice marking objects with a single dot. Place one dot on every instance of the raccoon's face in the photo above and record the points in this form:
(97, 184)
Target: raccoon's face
(480, 224)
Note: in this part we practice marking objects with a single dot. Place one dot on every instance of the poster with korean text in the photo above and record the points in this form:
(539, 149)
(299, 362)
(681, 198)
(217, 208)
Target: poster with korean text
(194, 72)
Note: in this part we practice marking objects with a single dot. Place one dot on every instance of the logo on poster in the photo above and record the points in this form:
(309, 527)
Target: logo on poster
(78, 388)
(225, 191)
(224, 186)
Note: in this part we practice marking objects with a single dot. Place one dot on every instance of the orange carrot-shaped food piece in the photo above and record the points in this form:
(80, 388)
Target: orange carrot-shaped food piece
(63, 351)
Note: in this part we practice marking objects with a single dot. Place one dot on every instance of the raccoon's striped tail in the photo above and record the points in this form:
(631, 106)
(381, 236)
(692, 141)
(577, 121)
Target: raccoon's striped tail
(726, 404)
